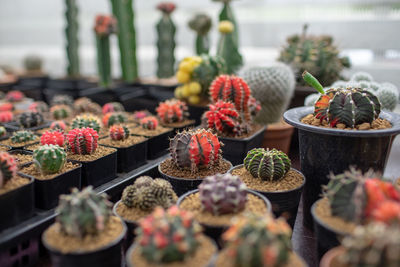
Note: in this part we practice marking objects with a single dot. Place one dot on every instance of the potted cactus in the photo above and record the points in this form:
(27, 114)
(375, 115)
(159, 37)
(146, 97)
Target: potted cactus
(201, 24)
(112, 107)
(53, 175)
(60, 112)
(332, 138)
(269, 173)
(28, 120)
(140, 199)
(131, 150)
(21, 139)
(16, 193)
(256, 240)
(170, 237)
(227, 48)
(174, 113)
(86, 105)
(85, 232)
(99, 163)
(112, 118)
(220, 198)
(194, 155)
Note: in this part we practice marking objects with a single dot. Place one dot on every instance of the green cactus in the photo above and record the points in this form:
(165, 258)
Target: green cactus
(227, 14)
(71, 34)
(33, 64)
(86, 121)
(23, 136)
(201, 24)
(227, 49)
(123, 11)
(49, 158)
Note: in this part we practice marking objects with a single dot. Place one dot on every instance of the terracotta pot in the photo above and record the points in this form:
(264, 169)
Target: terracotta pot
(278, 135)
(328, 259)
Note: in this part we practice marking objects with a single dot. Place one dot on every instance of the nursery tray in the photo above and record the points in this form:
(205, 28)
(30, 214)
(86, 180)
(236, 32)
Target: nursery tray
(157, 146)
(14, 126)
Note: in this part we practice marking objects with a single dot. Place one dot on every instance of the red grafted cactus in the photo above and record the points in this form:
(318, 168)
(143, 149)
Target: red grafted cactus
(105, 25)
(6, 106)
(15, 96)
(119, 132)
(38, 106)
(232, 89)
(52, 138)
(8, 168)
(140, 114)
(6, 116)
(223, 118)
(149, 123)
(172, 111)
(114, 118)
(113, 107)
(82, 141)
(58, 126)
(195, 149)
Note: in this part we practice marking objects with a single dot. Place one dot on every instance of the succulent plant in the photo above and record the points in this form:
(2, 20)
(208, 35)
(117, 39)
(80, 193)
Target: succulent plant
(8, 168)
(223, 194)
(201, 24)
(71, 35)
(14, 96)
(149, 123)
(112, 107)
(85, 105)
(49, 158)
(140, 114)
(3, 131)
(23, 136)
(60, 112)
(227, 48)
(86, 121)
(195, 149)
(38, 106)
(227, 14)
(168, 236)
(83, 213)
(118, 132)
(172, 110)
(255, 240)
(6, 116)
(254, 107)
(223, 118)
(112, 118)
(146, 194)
(52, 138)
(33, 64)
(361, 76)
(30, 119)
(350, 106)
(268, 165)
(6, 106)
(58, 126)
(62, 100)
(82, 141)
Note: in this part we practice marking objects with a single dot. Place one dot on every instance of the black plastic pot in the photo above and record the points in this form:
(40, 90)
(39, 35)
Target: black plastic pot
(71, 87)
(157, 146)
(213, 231)
(182, 185)
(38, 81)
(35, 93)
(285, 203)
(20, 147)
(14, 126)
(108, 256)
(235, 149)
(47, 192)
(16, 205)
(132, 157)
(326, 150)
(100, 95)
(188, 125)
(99, 171)
(196, 112)
(131, 226)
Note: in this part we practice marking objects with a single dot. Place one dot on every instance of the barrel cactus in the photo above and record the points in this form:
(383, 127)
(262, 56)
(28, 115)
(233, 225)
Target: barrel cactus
(140, 114)
(62, 100)
(223, 118)
(38, 106)
(23, 136)
(60, 112)
(112, 118)
(82, 141)
(14, 96)
(83, 213)
(268, 165)
(85, 105)
(30, 119)
(58, 126)
(149, 123)
(86, 121)
(8, 168)
(118, 132)
(172, 110)
(6, 106)
(52, 138)
(112, 107)
(49, 159)
(6, 116)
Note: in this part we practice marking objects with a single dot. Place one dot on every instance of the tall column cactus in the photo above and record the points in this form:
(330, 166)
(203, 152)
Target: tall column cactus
(227, 14)
(166, 41)
(123, 11)
(71, 34)
(201, 24)
(227, 48)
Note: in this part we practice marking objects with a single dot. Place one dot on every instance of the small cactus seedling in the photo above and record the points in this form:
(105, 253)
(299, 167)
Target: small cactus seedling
(52, 138)
(58, 126)
(62, 100)
(223, 194)
(112, 107)
(149, 123)
(254, 241)
(146, 194)
(171, 111)
(38, 106)
(30, 119)
(85, 105)
(6, 116)
(118, 132)
(140, 114)
(14, 96)
(268, 165)
(195, 149)
(8, 168)
(49, 158)
(60, 112)
(168, 236)
(350, 106)
(23, 136)
(82, 141)
(86, 121)
(223, 118)
(83, 212)
(114, 118)
(3, 131)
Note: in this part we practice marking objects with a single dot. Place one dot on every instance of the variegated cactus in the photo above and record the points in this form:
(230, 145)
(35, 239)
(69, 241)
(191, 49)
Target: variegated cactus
(60, 112)
(172, 110)
(223, 118)
(112, 118)
(58, 126)
(86, 121)
(149, 123)
(119, 132)
(52, 138)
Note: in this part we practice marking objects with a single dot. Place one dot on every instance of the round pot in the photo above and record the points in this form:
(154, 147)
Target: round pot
(108, 256)
(329, 257)
(131, 226)
(214, 231)
(182, 185)
(278, 135)
(326, 150)
(283, 202)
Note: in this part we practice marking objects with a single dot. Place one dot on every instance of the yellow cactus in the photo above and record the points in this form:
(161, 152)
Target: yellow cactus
(194, 88)
(182, 76)
(178, 92)
(186, 90)
(225, 26)
(194, 99)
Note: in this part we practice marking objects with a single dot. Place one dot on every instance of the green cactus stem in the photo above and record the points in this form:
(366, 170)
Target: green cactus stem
(227, 49)
(312, 81)
(227, 14)
(71, 34)
(201, 24)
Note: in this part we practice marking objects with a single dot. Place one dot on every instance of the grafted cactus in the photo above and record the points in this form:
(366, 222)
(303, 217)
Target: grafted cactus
(85, 105)
(62, 100)
(86, 121)
(8, 168)
(223, 118)
(6, 116)
(14, 96)
(119, 132)
(172, 110)
(227, 14)
(227, 48)
(60, 112)
(38, 106)
(23, 136)
(201, 24)
(112, 118)
(140, 114)
(82, 141)
(6, 106)
(58, 126)
(30, 119)
(52, 138)
(149, 123)
(49, 158)
(112, 107)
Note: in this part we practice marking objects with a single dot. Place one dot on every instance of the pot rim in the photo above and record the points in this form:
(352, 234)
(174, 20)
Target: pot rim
(294, 115)
(262, 129)
(119, 216)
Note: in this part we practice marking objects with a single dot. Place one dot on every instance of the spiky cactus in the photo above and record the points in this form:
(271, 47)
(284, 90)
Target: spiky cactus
(201, 24)
(140, 114)
(86, 121)
(172, 110)
(149, 123)
(71, 35)
(6, 116)
(168, 236)
(58, 126)
(38, 106)
(62, 100)
(223, 194)
(227, 14)
(60, 112)
(254, 107)
(33, 64)
(195, 149)
(118, 132)
(227, 48)
(350, 106)
(112, 107)
(49, 158)
(223, 118)
(361, 76)
(3, 131)
(8, 168)
(82, 141)
(52, 138)
(30, 119)
(85, 105)
(268, 165)
(23, 136)
(147, 193)
(273, 86)
(14, 96)
(6, 106)
(83, 213)
(114, 118)
(254, 241)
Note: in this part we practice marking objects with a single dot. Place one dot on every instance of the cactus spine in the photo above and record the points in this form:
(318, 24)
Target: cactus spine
(118, 132)
(71, 34)
(201, 24)
(227, 48)
(49, 158)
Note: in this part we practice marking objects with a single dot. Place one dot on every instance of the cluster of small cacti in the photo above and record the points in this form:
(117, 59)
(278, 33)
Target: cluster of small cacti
(227, 48)
(223, 118)
(49, 159)
(62, 100)
(85, 105)
(168, 235)
(118, 132)
(23, 136)
(140, 114)
(58, 126)
(112, 118)
(8, 168)
(14, 96)
(254, 241)
(86, 121)
(223, 194)
(268, 165)
(147, 193)
(83, 213)
(38, 106)
(60, 112)
(3, 131)
(52, 138)
(30, 119)
(201, 24)
(112, 107)
(195, 149)
(6, 116)
(172, 110)
(350, 106)
(82, 141)
(316, 54)
(149, 123)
